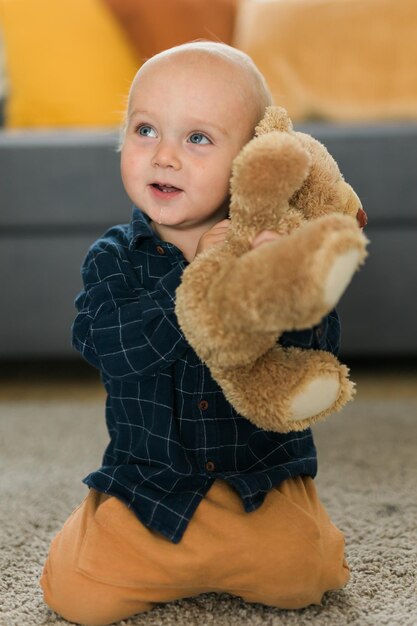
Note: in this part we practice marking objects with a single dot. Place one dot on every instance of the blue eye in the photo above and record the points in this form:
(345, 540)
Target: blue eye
(146, 131)
(199, 138)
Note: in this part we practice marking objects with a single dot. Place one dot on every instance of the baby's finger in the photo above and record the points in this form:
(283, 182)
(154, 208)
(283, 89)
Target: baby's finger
(219, 236)
(223, 225)
(265, 236)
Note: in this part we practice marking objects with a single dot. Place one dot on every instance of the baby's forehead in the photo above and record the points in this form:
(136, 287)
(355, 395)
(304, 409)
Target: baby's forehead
(195, 61)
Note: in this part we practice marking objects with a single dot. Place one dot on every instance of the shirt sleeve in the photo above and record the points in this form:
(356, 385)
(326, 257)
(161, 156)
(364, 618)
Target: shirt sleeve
(324, 336)
(121, 328)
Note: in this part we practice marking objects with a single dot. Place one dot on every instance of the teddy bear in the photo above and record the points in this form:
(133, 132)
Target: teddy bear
(235, 300)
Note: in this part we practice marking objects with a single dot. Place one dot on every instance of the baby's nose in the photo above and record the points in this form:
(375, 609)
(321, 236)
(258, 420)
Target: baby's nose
(165, 156)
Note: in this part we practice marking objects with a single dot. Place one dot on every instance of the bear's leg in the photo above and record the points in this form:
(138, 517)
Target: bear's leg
(287, 389)
(317, 396)
(341, 271)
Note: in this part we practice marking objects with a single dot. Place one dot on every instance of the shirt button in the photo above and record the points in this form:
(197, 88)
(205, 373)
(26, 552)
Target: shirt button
(160, 250)
(203, 405)
(210, 467)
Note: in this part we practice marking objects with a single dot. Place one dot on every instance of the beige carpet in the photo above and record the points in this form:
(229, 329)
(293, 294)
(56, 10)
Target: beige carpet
(367, 479)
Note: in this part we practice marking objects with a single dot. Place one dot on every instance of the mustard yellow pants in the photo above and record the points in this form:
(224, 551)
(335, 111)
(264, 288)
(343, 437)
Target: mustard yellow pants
(104, 565)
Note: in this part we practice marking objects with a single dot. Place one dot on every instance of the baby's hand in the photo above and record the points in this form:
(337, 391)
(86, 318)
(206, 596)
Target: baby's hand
(265, 236)
(214, 236)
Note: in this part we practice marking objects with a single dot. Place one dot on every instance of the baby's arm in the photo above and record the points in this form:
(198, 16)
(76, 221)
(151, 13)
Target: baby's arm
(122, 328)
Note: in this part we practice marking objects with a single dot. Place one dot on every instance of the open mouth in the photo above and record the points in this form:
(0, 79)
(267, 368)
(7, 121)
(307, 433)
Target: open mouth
(165, 188)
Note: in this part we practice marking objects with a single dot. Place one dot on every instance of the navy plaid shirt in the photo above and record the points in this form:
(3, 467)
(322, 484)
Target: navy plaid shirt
(172, 432)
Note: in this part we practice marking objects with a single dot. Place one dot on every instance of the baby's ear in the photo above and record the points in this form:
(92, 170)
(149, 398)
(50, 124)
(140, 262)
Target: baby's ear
(267, 172)
(275, 118)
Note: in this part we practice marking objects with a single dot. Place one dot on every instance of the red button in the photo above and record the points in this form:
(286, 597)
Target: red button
(203, 405)
(210, 467)
(160, 250)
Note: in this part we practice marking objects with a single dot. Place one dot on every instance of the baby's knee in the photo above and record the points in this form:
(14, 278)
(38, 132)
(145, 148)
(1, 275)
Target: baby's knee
(67, 597)
(319, 566)
(82, 600)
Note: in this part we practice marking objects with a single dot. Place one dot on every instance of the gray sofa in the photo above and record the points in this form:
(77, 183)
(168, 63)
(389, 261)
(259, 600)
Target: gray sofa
(60, 190)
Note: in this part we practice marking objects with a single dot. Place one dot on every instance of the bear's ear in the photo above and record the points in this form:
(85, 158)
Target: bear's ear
(267, 172)
(275, 118)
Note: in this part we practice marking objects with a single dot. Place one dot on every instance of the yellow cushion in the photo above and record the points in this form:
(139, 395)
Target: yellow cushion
(335, 59)
(68, 63)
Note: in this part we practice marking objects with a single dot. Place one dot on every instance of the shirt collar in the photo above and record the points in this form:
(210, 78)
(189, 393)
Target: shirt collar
(140, 228)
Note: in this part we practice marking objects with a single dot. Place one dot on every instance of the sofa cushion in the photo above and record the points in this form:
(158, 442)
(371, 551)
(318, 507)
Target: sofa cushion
(335, 59)
(68, 63)
(155, 25)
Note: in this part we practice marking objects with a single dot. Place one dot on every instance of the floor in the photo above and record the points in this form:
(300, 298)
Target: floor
(43, 380)
(51, 423)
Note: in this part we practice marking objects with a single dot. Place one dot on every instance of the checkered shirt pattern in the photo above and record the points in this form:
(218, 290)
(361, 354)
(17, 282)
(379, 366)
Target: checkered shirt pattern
(172, 432)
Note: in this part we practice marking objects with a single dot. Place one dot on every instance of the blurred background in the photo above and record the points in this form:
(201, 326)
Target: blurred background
(346, 70)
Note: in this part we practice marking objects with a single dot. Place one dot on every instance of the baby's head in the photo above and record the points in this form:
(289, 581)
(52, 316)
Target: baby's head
(246, 77)
(190, 111)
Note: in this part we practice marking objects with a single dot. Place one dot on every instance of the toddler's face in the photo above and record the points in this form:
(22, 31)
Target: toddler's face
(187, 121)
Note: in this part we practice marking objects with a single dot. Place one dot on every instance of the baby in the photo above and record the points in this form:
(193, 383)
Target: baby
(191, 497)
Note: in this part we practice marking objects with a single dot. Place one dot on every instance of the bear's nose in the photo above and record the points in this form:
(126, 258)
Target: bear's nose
(362, 218)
